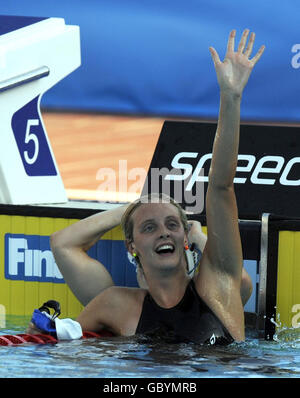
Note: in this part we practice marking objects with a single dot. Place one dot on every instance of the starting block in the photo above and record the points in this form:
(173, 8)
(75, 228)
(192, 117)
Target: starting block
(35, 54)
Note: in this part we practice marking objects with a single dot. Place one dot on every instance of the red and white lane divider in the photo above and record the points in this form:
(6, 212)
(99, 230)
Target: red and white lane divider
(8, 339)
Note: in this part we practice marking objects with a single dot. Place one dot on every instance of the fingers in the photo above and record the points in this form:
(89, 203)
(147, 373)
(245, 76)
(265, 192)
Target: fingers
(230, 44)
(193, 225)
(215, 55)
(249, 48)
(32, 329)
(243, 41)
(250, 45)
(241, 47)
(258, 55)
(230, 47)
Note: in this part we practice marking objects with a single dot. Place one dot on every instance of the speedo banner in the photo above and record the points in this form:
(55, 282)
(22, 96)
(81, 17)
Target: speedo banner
(152, 57)
(267, 176)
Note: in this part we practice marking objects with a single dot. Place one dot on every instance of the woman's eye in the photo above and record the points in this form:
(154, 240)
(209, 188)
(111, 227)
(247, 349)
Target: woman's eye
(173, 225)
(149, 228)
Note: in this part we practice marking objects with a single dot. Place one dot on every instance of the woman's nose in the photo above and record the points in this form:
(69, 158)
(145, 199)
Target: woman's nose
(164, 236)
(164, 233)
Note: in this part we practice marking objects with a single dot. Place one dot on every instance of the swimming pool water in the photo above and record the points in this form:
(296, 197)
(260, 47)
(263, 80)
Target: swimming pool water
(134, 357)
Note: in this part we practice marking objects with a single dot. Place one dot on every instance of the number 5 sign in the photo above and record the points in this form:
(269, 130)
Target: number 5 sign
(28, 137)
(36, 53)
(28, 171)
(32, 141)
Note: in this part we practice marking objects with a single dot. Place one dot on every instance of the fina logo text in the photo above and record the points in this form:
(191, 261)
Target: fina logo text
(29, 258)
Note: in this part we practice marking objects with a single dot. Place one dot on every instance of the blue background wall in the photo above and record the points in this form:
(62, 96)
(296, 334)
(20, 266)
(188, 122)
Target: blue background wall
(152, 57)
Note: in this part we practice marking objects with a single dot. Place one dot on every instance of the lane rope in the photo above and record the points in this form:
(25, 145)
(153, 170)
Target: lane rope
(13, 340)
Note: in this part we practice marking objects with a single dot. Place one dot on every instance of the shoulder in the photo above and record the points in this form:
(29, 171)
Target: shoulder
(121, 302)
(116, 309)
(123, 295)
(116, 297)
(124, 308)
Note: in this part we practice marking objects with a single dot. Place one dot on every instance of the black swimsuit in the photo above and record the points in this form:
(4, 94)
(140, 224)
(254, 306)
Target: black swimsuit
(191, 320)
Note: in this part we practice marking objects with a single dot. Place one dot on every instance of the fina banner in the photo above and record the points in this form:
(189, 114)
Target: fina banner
(268, 171)
(29, 258)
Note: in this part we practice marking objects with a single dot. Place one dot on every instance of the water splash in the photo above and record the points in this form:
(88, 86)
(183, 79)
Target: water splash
(286, 334)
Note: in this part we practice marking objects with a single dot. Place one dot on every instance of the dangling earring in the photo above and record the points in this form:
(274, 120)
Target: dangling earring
(186, 247)
(133, 258)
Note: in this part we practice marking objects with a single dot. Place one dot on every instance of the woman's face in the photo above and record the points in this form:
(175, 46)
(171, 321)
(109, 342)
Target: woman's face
(158, 236)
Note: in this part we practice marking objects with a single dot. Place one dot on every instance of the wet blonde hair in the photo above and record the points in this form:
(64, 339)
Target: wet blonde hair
(127, 221)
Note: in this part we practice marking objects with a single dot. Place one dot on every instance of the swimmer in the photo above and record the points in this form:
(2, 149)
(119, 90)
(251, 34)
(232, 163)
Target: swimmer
(86, 276)
(207, 308)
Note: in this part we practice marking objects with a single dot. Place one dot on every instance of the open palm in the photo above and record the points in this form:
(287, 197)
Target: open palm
(233, 73)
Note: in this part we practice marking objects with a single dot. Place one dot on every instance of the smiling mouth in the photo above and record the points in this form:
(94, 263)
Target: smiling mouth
(165, 249)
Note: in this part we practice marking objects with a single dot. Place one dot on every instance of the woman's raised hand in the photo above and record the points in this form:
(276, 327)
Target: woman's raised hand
(233, 73)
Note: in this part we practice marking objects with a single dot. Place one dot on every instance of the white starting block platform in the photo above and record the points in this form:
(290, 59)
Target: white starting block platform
(35, 54)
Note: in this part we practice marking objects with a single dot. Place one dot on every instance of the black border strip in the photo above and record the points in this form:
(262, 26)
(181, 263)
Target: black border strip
(46, 211)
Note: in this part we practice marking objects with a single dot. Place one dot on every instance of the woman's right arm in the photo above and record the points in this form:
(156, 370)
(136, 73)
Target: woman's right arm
(85, 276)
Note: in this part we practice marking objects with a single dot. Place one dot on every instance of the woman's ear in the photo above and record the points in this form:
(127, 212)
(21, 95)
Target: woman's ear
(186, 239)
(130, 246)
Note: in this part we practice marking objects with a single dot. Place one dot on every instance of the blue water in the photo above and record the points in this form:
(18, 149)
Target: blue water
(119, 357)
